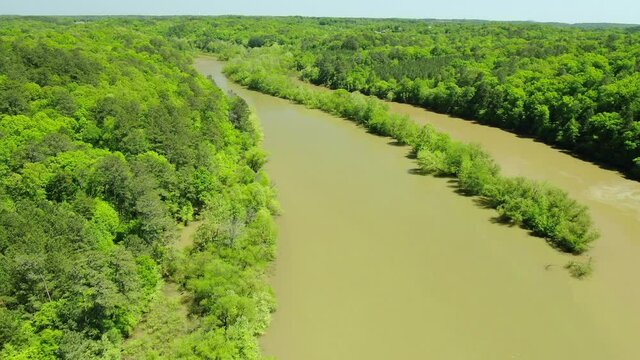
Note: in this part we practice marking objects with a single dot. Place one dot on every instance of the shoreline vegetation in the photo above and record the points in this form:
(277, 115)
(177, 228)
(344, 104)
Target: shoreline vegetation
(545, 210)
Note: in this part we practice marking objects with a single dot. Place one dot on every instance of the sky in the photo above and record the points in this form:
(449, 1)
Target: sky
(570, 11)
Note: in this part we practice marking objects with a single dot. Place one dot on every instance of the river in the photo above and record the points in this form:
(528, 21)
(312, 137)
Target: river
(375, 262)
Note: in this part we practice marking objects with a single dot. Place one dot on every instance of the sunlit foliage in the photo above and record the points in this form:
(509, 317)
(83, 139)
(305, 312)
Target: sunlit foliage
(108, 139)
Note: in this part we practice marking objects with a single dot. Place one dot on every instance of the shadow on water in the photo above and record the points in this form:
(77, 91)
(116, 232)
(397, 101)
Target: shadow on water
(417, 171)
(411, 155)
(395, 143)
(626, 173)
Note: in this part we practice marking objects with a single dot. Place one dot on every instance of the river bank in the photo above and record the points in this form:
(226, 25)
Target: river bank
(360, 259)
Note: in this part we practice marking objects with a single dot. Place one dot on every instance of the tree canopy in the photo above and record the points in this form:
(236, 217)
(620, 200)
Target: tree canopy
(109, 139)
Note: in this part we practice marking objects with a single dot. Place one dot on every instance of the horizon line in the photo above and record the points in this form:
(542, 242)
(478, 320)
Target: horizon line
(324, 17)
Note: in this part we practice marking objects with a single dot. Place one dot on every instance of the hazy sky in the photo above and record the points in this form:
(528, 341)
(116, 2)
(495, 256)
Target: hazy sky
(620, 11)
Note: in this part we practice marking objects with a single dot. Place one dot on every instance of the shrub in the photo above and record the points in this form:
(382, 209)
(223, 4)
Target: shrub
(579, 270)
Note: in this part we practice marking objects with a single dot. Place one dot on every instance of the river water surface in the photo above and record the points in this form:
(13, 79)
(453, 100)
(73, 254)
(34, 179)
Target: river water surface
(375, 262)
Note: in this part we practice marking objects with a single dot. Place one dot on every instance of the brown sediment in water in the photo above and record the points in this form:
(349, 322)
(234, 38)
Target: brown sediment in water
(377, 263)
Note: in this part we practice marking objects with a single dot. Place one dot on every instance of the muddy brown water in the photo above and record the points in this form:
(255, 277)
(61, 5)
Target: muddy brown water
(377, 263)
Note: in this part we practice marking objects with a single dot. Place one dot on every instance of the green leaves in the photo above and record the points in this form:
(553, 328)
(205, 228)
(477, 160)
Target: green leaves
(433, 162)
(547, 211)
(256, 158)
(107, 138)
(104, 225)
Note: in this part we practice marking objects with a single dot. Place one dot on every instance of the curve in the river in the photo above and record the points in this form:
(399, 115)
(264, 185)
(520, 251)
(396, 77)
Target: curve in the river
(377, 263)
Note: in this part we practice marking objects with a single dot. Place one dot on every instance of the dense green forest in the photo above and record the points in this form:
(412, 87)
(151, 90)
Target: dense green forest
(576, 87)
(108, 140)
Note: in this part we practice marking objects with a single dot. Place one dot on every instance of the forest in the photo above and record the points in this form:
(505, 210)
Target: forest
(574, 87)
(109, 140)
(111, 143)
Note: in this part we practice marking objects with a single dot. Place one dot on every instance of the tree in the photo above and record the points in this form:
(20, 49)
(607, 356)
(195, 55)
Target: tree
(110, 178)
